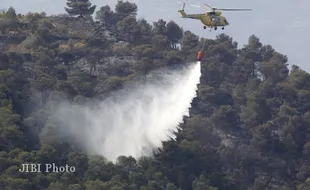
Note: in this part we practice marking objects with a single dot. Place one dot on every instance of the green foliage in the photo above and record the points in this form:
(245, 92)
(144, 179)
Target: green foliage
(15, 183)
(106, 15)
(160, 27)
(126, 8)
(127, 28)
(10, 14)
(248, 127)
(189, 43)
(160, 41)
(33, 41)
(80, 7)
(202, 183)
(174, 57)
(110, 84)
(174, 33)
(143, 66)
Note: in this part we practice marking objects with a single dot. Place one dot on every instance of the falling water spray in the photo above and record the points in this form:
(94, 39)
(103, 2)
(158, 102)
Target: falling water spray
(135, 120)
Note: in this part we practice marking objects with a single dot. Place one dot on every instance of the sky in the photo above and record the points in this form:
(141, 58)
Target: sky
(280, 23)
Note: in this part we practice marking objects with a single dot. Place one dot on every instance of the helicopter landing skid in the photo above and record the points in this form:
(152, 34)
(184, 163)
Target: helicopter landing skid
(205, 27)
(215, 28)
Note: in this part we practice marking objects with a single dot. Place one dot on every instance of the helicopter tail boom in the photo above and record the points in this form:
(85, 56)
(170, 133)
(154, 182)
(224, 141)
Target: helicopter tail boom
(192, 16)
(184, 15)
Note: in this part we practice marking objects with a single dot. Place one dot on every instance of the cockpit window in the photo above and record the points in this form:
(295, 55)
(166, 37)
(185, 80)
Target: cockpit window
(215, 19)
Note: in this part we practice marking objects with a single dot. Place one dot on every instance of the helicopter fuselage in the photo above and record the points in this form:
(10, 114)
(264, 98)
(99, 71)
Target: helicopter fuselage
(213, 20)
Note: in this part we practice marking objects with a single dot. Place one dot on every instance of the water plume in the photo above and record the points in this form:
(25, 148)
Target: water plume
(136, 119)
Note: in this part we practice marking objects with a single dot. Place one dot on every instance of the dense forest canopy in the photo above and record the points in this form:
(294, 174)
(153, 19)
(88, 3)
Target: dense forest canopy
(248, 129)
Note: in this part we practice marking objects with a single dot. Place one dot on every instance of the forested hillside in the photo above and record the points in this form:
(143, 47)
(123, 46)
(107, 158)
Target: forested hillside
(248, 129)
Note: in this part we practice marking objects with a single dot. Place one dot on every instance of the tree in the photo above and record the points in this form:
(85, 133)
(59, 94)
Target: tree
(254, 43)
(145, 30)
(11, 14)
(267, 52)
(16, 183)
(189, 43)
(56, 186)
(171, 186)
(256, 110)
(44, 83)
(305, 185)
(160, 27)
(80, 162)
(274, 70)
(143, 66)
(160, 42)
(80, 7)
(226, 41)
(106, 15)
(202, 183)
(127, 28)
(10, 136)
(242, 71)
(174, 33)
(174, 57)
(225, 118)
(126, 8)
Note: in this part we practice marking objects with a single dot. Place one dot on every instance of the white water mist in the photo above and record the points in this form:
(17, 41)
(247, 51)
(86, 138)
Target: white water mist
(135, 120)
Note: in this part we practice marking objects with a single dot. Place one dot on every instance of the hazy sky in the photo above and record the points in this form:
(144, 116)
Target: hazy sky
(280, 23)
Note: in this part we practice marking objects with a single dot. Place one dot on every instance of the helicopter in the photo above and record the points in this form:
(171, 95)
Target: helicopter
(210, 19)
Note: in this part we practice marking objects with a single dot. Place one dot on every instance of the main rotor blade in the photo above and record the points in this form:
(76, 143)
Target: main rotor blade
(195, 6)
(214, 8)
(234, 9)
(209, 6)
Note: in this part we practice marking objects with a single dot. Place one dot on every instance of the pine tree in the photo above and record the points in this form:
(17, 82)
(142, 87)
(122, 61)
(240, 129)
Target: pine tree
(80, 7)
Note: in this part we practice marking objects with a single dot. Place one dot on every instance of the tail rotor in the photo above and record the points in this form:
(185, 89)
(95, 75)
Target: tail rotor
(183, 5)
